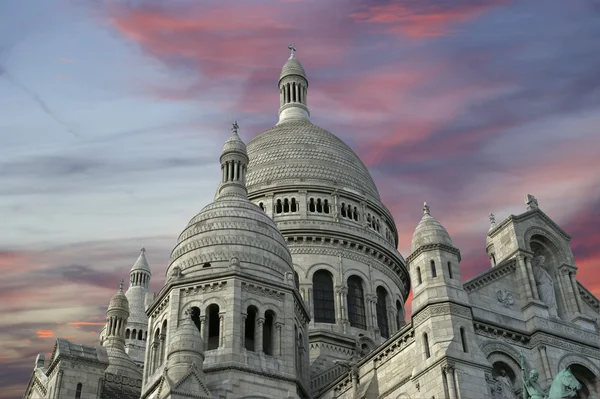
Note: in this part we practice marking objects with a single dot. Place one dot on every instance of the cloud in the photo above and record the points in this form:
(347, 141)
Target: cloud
(424, 19)
(67, 60)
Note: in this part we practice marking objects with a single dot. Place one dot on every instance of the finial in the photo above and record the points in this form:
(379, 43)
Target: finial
(235, 127)
(121, 286)
(531, 202)
(492, 219)
(425, 208)
(291, 47)
(143, 250)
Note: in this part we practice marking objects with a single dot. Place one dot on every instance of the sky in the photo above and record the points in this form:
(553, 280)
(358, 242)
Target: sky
(113, 114)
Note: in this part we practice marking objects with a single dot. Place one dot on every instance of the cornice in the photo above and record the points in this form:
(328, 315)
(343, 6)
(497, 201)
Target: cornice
(490, 276)
(524, 216)
(432, 247)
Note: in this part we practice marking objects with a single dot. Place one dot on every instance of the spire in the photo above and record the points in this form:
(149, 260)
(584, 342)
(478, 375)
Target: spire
(234, 164)
(140, 273)
(293, 90)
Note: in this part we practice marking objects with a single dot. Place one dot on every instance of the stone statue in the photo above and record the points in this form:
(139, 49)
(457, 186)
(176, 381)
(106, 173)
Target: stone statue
(545, 285)
(565, 385)
(508, 391)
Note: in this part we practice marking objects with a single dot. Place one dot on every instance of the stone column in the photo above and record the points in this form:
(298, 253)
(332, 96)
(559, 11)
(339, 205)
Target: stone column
(297, 92)
(163, 344)
(372, 313)
(534, 289)
(392, 320)
(221, 329)
(576, 291)
(568, 287)
(258, 333)
(155, 347)
(448, 371)
(58, 385)
(235, 171)
(545, 363)
(204, 331)
(309, 300)
(303, 203)
(525, 276)
(243, 334)
(277, 340)
(563, 294)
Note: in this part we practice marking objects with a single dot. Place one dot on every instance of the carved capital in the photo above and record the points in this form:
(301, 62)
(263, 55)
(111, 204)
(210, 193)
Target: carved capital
(260, 321)
(448, 368)
(278, 325)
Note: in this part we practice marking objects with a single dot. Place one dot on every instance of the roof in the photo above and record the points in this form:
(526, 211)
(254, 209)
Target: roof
(292, 67)
(297, 151)
(429, 231)
(141, 263)
(66, 348)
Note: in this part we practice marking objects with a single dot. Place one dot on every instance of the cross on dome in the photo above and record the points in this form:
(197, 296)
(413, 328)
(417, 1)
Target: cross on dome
(121, 286)
(235, 127)
(425, 208)
(291, 47)
(492, 218)
(143, 250)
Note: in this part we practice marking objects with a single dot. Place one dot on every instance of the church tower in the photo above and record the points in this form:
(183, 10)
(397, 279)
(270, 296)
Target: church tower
(139, 297)
(293, 90)
(441, 315)
(231, 279)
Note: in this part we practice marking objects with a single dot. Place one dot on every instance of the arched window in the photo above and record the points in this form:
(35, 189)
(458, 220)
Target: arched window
(249, 328)
(400, 314)
(213, 326)
(382, 316)
(78, 391)
(343, 210)
(419, 280)
(278, 207)
(139, 335)
(133, 334)
(286, 205)
(163, 342)
(319, 206)
(326, 206)
(296, 280)
(294, 206)
(356, 303)
(433, 271)
(450, 270)
(127, 332)
(261, 206)
(311, 205)
(493, 260)
(195, 315)
(426, 346)
(324, 305)
(355, 213)
(463, 339)
(349, 212)
(268, 332)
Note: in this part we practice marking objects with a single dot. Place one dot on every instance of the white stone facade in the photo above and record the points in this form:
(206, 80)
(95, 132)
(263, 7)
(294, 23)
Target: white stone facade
(289, 285)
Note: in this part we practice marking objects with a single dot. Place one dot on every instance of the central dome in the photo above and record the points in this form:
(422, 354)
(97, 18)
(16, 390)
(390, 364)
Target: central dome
(296, 152)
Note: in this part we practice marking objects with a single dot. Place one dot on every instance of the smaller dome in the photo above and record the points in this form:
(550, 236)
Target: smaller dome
(234, 143)
(429, 231)
(119, 301)
(141, 263)
(292, 67)
(186, 338)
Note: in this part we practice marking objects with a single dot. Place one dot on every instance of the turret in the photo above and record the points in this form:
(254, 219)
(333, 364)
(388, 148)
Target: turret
(293, 90)
(434, 264)
(234, 165)
(140, 274)
(116, 320)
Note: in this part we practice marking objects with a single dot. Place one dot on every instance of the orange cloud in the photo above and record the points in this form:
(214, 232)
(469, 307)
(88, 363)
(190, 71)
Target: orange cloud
(45, 333)
(421, 20)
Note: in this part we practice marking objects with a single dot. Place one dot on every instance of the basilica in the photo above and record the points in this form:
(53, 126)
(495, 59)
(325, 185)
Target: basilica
(290, 285)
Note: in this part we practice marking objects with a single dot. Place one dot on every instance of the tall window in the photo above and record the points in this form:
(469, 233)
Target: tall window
(356, 303)
(78, 391)
(249, 328)
(268, 333)
(426, 346)
(400, 314)
(214, 326)
(382, 317)
(419, 280)
(323, 297)
(463, 339)
(433, 271)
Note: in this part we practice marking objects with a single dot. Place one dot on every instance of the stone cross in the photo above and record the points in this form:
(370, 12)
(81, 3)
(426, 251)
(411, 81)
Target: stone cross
(143, 250)
(235, 127)
(121, 286)
(492, 220)
(425, 208)
(291, 47)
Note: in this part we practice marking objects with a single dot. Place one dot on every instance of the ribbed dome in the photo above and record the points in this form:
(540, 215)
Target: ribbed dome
(119, 301)
(292, 67)
(297, 152)
(141, 263)
(186, 338)
(429, 231)
(234, 144)
(232, 227)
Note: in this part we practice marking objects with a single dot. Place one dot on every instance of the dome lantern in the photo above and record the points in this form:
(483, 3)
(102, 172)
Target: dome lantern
(429, 231)
(234, 165)
(293, 90)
